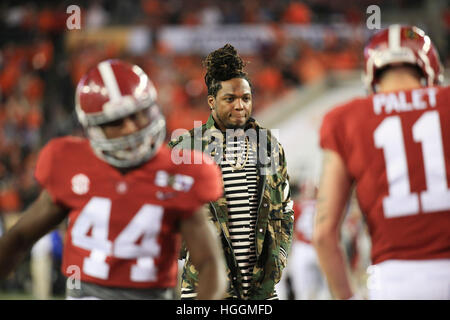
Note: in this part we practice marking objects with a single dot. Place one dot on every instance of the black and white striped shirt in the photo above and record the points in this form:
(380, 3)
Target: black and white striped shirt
(240, 186)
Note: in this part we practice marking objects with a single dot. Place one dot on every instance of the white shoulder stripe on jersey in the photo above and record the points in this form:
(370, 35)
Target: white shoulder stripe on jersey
(110, 81)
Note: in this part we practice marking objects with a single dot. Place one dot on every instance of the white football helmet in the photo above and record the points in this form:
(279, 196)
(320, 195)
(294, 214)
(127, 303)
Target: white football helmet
(115, 89)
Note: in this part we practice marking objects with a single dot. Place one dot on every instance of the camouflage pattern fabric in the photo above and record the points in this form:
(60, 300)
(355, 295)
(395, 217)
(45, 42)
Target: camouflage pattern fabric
(275, 217)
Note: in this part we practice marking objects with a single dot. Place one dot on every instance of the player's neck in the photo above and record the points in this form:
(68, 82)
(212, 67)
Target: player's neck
(398, 79)
(398, 87)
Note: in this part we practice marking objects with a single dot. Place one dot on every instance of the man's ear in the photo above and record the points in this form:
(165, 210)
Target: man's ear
(211, 102)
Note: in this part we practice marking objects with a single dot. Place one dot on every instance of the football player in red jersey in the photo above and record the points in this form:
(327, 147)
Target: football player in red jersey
(394, 146)
(127, 203)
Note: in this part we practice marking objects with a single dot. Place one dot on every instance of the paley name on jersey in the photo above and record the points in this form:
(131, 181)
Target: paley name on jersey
(398, 101)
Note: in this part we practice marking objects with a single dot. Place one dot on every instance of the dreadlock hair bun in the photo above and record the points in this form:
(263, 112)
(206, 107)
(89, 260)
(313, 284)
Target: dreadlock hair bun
(221, 65)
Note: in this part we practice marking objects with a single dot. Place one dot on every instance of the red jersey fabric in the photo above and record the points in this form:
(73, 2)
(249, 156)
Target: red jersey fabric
(396, 147)
(123, 228)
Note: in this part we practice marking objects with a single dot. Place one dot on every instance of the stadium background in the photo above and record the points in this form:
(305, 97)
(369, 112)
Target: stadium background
(303, 58)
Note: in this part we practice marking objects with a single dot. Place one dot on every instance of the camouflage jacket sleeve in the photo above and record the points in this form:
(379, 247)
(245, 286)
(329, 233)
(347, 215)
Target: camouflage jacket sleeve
(288, 214)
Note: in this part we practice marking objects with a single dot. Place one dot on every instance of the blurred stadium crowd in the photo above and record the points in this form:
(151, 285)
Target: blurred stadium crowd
(41, 61)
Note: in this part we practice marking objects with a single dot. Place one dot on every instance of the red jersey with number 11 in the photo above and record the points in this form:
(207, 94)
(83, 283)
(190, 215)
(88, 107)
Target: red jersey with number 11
(123, 228)
(396, 147)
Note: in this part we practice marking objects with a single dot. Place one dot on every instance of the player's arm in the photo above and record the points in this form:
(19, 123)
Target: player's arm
(41, 216)
(206, 255)
(334, 190)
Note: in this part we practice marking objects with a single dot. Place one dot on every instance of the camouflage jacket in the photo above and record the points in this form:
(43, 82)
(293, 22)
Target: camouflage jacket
(275, 218)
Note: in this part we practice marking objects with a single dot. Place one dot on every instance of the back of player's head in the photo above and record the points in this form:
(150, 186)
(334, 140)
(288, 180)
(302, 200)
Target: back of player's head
(221, 65)
(113, 90)
(398, 45)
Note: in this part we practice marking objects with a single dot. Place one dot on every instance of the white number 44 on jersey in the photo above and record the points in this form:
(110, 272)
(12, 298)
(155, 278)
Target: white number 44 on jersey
(146, 224)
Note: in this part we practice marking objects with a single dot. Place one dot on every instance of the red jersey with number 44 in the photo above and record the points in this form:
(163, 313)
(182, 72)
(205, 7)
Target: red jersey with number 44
(123, 228)
(396, 147)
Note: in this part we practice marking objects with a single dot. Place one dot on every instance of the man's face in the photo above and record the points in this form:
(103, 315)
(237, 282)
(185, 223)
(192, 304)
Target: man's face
(232, 106)
(126, 125)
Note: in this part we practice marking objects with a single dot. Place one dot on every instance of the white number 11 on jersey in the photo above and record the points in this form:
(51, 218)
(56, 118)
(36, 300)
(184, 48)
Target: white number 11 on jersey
(401, 201)
(146, 224)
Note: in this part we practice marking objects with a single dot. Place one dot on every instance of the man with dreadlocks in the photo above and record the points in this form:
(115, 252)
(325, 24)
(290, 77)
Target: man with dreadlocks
(254, 217)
